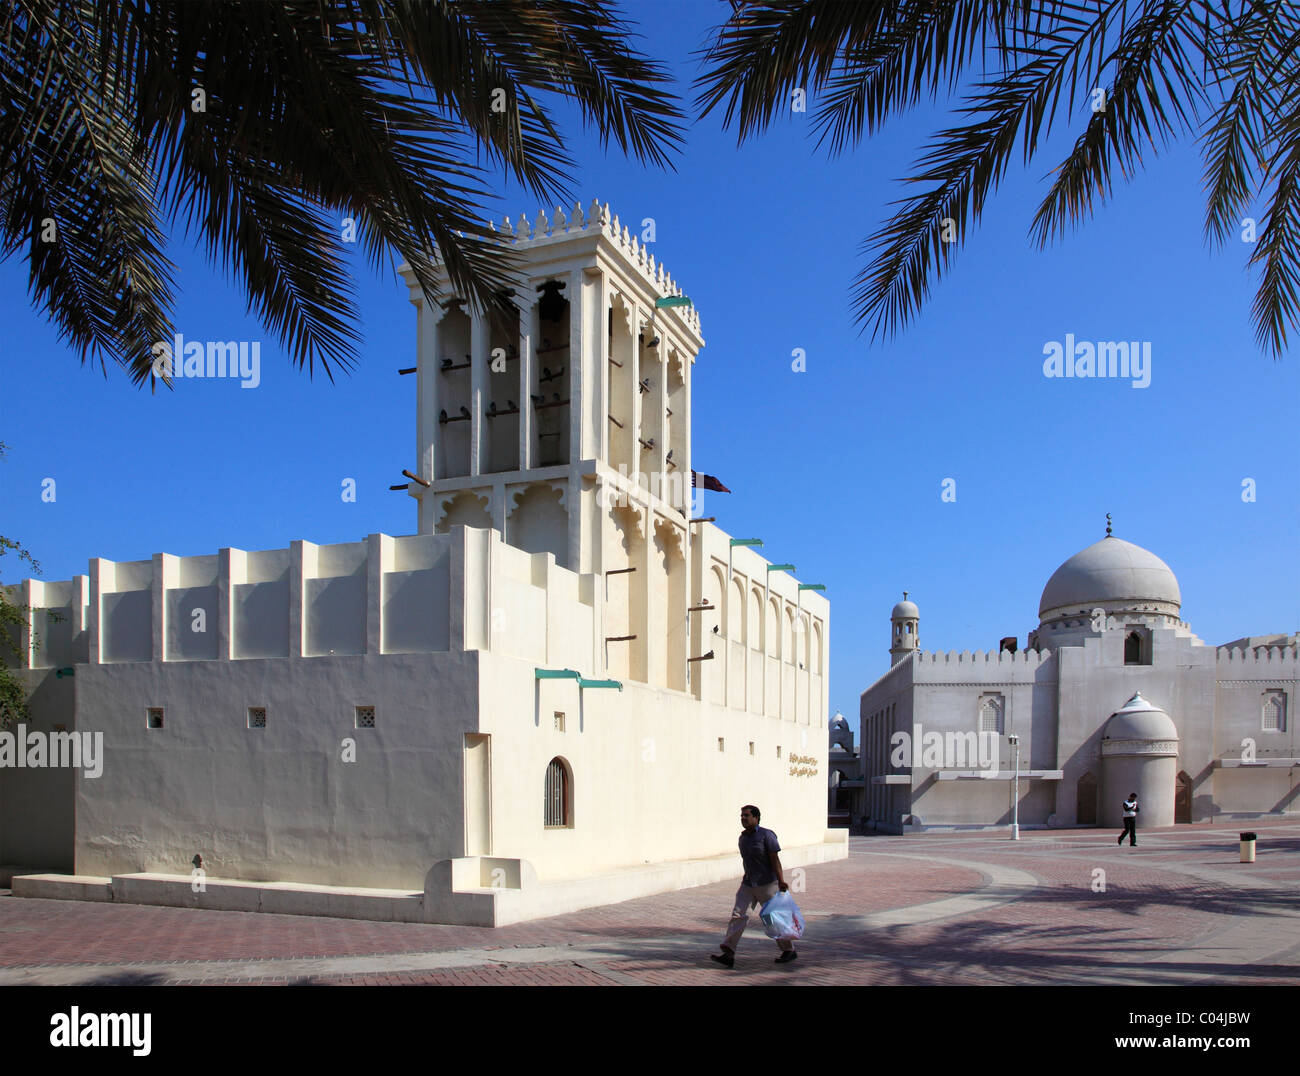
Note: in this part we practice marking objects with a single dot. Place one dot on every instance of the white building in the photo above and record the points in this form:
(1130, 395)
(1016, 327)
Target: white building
(1113, 695)
(558, 693)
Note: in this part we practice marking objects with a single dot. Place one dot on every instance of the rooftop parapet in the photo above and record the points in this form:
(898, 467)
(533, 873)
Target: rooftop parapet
(1260, 655)
(988, 657)
(598, 220)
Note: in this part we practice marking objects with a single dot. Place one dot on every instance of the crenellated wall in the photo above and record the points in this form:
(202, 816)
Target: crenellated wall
(384, 595)
(1022, 658)
(1266, 657)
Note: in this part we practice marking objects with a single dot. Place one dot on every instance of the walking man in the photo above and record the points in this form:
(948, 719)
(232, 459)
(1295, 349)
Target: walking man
(1130, 821)
(759, 850)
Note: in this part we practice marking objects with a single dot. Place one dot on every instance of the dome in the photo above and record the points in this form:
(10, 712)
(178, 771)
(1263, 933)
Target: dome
(1137, 719)
(905, 610)
(839, 721)
(1112, 572)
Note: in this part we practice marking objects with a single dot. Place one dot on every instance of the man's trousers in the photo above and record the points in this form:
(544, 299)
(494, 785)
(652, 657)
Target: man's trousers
(746, 897)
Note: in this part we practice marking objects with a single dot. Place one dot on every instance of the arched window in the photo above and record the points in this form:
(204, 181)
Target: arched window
(991, 710)
(1274, 711)
(1133, 649)
(559, 795)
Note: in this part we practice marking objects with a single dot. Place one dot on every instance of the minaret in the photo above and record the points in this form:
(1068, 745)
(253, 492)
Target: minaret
(905, 621)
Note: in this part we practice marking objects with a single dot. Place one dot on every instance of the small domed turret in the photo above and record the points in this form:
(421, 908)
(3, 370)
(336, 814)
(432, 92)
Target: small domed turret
(905, 621)
(841, 734)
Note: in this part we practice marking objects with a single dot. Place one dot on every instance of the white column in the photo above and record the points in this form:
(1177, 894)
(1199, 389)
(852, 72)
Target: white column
(427, 396)
(231, 570)
(478, 379)
(529, 334)
(379, 559)
(101, 573)
(578, 368)
(302, 566)
(166, 573)
(80, 610)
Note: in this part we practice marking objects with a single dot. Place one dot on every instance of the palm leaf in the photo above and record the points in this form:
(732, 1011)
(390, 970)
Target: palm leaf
(374, 109)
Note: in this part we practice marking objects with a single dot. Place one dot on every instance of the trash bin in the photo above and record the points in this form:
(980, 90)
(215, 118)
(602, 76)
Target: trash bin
(1248, 848)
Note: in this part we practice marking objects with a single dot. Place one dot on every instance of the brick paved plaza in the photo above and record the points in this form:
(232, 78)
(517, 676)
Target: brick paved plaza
(963, 909)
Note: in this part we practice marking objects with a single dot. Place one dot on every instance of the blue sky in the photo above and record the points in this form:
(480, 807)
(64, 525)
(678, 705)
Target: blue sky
(840, 469)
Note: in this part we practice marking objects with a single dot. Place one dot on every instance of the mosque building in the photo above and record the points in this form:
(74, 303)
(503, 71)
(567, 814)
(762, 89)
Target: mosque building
(557, 693)
(843, 775)
(1113, 694)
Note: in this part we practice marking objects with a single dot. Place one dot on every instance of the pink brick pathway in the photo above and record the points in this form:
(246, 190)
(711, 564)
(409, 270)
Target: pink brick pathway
(1179, 908)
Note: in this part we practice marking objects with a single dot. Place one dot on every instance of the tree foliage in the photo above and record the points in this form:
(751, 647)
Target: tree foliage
(13, 696)
(1128, 76)
(259, 127)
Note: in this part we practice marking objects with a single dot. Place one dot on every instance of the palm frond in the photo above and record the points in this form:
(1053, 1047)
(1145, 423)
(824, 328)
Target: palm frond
(1247, 56)
(887, 75)
(766, 51)
(964, 166)
(1150, 98)
(1159, 62)
(68, 159)
(375, 109)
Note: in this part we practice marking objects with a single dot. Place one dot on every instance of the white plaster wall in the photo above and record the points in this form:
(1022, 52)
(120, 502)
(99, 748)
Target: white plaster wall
(1095, 682)
(947, 693)
(277, 803)
(650, 784)
(1243, 678)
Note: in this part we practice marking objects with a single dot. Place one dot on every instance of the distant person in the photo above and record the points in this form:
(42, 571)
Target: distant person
(1130, 821)
(763, 878)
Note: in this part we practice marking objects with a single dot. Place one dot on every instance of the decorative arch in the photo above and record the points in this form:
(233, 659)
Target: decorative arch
(521, 493)
(716, 591)
(622, 304)
(756, 619)
(669, 539)
(538, 521)
(735, 625)
(772, 629)
(465, 509)
(631, 520)
(816, 665)
(677, 360)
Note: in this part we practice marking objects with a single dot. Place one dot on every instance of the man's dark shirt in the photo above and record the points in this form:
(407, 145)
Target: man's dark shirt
(755, 848)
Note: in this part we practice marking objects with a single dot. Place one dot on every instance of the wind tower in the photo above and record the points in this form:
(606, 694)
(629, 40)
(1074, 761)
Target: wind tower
(565, 424)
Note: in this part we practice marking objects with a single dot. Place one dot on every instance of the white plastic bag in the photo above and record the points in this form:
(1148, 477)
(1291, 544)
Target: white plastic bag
(781, 917)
